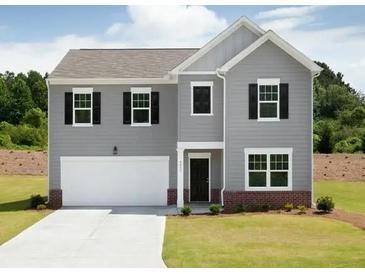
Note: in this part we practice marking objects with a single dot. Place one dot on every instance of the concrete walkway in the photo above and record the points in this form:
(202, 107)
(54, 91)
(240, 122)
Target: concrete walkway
(91, 237)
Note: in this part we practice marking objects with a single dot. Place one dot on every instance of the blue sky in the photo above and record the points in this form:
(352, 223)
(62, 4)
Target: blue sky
(38, 36)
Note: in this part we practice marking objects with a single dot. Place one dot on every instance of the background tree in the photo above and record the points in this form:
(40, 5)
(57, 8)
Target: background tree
(20, 100)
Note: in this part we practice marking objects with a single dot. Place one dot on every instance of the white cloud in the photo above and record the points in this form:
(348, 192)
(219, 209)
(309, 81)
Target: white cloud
(44, 56)
(150, 26)
(288, 12)
(340, 47)
(176, 26)
(114, 29)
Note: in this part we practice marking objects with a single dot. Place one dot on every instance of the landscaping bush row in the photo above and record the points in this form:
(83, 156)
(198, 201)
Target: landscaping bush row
(324, 204)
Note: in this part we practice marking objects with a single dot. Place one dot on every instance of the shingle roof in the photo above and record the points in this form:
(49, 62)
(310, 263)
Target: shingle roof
(120, 63)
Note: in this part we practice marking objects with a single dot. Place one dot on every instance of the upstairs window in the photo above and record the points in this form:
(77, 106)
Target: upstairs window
(268, 99)
(82, 106)
(201, 98)
(141, 106)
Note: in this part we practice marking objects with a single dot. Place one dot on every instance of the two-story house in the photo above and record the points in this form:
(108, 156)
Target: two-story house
(228, 123)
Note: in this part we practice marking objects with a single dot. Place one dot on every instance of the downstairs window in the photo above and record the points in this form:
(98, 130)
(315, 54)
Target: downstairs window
(268, 169)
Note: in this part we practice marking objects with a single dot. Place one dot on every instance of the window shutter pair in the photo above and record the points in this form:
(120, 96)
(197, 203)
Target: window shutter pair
(69, 108)
(127, 108)
(253, 101)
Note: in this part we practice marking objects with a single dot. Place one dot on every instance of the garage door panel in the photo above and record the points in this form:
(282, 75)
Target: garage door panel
(114, 180)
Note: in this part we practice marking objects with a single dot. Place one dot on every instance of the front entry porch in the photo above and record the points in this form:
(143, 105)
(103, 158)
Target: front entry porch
(199, 173)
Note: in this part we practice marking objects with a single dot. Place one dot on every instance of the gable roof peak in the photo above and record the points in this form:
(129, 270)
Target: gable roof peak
(242, 21)
(270, 35)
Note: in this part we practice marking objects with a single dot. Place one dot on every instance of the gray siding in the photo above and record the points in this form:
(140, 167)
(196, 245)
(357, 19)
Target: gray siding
(215, 166)
(99, 140)
(199, 128)
(224, 51)
(269, 61)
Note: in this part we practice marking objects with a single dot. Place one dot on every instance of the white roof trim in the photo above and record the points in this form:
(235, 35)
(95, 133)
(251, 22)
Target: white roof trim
(281, 43)
(243, 21)
(110, 81)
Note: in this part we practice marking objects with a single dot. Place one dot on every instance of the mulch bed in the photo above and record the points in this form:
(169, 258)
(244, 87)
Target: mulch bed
(16, 162)
(339, 167)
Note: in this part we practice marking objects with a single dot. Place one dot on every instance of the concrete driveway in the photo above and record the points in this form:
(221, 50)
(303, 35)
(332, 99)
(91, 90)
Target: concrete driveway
(91, 237)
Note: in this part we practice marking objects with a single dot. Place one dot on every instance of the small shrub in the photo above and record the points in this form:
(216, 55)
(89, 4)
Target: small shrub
(325, 204)
(265, 207)
(289, 207)
(41, 207)
(215, 209)
(36, 200)
(241, 208)
(5, 141)
(302, 209)
(185, 211)
(35, 117)
(350, 145)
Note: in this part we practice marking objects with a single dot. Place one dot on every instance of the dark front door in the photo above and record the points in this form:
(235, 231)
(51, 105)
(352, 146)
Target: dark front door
(199, 180)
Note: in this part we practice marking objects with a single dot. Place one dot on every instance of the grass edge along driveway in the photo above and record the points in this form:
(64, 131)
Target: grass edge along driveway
(15, 191)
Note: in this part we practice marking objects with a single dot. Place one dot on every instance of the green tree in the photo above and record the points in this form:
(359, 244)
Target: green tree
(21, 101)
(333, 100)
(324, 129)
(38, 87)
(4, 101)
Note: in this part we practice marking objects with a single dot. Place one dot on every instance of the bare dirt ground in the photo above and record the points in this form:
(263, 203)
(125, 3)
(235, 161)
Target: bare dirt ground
(344, 167)
(15, 162)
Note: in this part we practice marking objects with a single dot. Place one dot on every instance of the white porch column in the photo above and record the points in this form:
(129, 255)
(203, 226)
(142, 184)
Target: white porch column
(180, 177)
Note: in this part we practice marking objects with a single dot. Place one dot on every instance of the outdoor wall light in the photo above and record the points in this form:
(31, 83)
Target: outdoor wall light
(115, 150)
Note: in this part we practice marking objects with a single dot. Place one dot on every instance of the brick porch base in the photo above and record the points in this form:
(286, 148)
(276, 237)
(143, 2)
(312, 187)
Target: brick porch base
(215, 195)
(55, 198)
(276, 199)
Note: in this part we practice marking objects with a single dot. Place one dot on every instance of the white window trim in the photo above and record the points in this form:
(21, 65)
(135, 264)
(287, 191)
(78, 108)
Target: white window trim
(80, 91)
(136, 90)
(201, 84)
(269, 151)
(200, 155)
(268, 82)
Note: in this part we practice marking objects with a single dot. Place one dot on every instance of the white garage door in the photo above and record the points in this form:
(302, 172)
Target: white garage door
(119, 180)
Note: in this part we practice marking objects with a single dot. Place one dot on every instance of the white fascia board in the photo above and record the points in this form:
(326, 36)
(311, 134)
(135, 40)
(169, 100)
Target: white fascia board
(200, 145)
(110, 81)
(243, 21)
(281, 43)
(197, 72)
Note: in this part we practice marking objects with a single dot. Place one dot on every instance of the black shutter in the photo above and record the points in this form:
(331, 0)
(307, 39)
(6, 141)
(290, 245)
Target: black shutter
(252, 101)
(127, 108)
(68, 108)
(155, 106)
(284, 101)
(96, 108)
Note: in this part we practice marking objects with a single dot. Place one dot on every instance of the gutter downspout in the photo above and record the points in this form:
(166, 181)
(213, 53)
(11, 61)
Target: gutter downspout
(224, 133)
(48, 121)
(314, 75)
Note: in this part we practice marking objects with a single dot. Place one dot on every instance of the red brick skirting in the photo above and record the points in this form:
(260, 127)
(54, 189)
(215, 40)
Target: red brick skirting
(172, 195)
(275, 199)
(55, 198)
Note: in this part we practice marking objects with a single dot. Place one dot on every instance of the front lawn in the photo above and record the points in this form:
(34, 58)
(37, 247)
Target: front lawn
(15, 192)
(262, 241)
(349, 196)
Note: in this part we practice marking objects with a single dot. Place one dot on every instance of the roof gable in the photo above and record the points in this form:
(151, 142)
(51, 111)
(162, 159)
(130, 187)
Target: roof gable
(243, 21)
(278, 41)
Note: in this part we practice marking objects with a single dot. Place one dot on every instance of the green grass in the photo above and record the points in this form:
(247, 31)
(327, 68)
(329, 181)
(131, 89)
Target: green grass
(349, 196)
(15, 192)
(262, 241)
